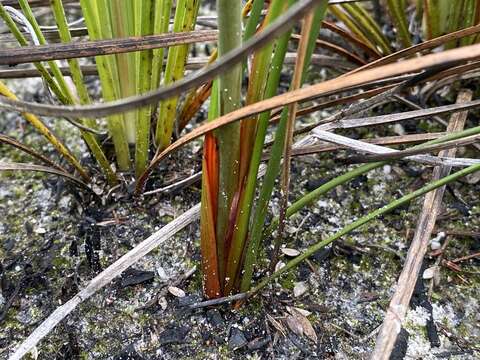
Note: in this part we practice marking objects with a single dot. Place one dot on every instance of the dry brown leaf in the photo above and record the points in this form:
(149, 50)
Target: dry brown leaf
(276, 324)
(301, 311)
(300, 325)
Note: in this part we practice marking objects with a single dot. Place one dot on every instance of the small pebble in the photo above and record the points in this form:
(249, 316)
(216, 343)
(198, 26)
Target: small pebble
(40, 230)
(215, 318)
(175, 291)
(299, 289)
(279, 266)
(429, 273)
(174, 335)
(290, 252)
(237, 339)
(163, 303)
(162, 274)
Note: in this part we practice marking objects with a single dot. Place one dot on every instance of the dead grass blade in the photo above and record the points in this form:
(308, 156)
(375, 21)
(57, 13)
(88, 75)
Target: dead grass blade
(105, 277)
(337, 50)
(400, 301)
(287, 149)
(446, 58)
(330, 103)
(12, 142)
(457, 71)
(415, 49)
(424, 150)
(87, 70)
(192, 105)
(80, 49)
(375, 149)
(388, 140)
(8, 166)
(351, 38)
(407, 115)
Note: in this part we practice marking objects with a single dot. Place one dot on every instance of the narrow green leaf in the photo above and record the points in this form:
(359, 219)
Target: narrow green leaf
(77, 76)
(108, 74)
(230, 88)
(254, 18)
(144, 84)
(342, 16)
(163, 9)
(362, 221)
(398, 13)
(263, 85)
(185, 17)
(123, 25)
(368, 26)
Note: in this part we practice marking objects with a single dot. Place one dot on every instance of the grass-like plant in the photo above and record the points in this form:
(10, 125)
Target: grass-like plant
(132, 74)
(236, 192)
(147, 95)
(121, 75)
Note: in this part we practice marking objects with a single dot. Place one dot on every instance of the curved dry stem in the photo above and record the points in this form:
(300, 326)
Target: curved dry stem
(105, 277)
(62, 51)
(12, 142)
(6, 166)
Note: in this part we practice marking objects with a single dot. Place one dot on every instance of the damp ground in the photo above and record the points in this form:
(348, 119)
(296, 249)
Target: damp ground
(54, 239)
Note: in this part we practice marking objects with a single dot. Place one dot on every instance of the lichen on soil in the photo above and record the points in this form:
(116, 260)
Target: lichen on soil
(51, 246)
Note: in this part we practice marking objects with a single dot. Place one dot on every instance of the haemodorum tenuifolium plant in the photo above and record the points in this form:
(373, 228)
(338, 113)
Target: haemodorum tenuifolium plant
(232, 155)
(236, 191)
